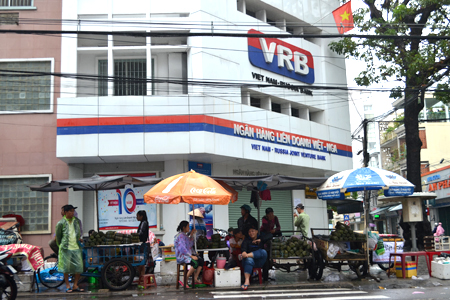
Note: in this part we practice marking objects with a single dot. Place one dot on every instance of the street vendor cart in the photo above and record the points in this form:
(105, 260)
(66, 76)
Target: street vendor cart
(290, 253)
(114, 264)
(341, 247)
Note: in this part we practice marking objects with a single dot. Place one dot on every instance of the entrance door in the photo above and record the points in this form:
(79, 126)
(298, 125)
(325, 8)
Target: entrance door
(380, 227)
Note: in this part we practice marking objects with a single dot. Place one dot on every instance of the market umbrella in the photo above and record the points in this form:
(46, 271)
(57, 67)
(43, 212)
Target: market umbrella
(364, 179)
(192, 188)
(95, 183)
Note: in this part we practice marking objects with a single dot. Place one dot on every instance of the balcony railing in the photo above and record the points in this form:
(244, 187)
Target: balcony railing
(387, 136)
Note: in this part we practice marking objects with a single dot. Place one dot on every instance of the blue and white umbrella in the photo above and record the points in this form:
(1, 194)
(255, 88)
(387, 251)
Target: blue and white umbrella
(364, 179)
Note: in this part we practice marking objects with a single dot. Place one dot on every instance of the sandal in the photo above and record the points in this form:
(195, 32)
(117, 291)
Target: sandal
(78, 290)
(69, 290)
(244, 287)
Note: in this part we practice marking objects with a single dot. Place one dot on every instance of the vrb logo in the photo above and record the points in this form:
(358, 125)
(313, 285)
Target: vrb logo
(280, 57)
(128, 201)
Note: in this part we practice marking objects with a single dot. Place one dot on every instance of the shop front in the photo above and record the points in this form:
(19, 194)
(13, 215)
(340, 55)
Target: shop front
(438, 181)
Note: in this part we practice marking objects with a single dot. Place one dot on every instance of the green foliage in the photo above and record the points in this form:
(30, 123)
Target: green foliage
(413, 63)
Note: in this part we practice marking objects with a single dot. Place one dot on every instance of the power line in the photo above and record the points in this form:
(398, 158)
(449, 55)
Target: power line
(223, 34)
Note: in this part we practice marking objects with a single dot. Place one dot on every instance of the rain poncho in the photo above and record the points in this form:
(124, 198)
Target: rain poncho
(68, 234)
(183, 248)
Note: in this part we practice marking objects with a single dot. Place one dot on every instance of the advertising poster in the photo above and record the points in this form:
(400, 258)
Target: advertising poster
(207, 210)
(117, 208)
(389, 247)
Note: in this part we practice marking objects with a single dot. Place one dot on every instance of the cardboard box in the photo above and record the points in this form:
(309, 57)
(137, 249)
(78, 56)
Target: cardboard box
(410, 269)
(441, 271)
(227, 278)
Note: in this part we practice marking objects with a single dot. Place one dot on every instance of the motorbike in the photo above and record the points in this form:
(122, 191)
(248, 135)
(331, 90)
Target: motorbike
(8, 277)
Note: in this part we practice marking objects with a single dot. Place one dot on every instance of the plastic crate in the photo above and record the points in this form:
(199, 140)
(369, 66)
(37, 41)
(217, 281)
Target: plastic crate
(410, 269)
(429, 243)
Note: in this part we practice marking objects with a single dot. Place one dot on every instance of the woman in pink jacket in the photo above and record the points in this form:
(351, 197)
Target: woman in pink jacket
(440, 230)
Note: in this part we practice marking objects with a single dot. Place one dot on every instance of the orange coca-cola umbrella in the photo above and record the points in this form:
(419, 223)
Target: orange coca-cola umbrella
(192, 188)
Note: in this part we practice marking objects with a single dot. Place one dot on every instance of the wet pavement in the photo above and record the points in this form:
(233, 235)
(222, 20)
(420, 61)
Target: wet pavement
(332, 279)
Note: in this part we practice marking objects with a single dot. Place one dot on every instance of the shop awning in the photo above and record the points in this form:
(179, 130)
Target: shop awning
(396, 207)
(271, 182)
(378, 210)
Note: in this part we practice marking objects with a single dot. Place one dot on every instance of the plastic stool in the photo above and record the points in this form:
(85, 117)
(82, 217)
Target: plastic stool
(184, 272)
(413, 255)
(259, 270)
(147, 280)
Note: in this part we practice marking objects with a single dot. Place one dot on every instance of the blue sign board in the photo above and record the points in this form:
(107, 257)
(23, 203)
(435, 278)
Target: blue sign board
(346, 218)
(199, 167)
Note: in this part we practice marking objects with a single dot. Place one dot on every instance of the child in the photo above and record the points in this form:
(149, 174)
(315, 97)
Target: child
(68, 238)
(235, 244)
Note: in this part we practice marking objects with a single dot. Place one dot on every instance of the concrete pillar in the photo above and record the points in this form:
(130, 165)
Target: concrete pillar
(76, 197)
(281, 24)
(266, 103)
(304, 113)
(245, 97)
(286, 108)
(261, 15)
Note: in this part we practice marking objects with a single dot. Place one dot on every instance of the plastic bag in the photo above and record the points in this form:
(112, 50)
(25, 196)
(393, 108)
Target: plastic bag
(208, 275)
(333, 250)
(372, 240)
(380, 248)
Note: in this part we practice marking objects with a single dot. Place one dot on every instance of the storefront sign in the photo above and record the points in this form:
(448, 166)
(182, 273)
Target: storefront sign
(290, 139)
(287, 152)
(282, 58)
(199, 167)
(280, 83)
(444, 184)
(248, 172)
(117, 208)
(389, 247)
(433, 178)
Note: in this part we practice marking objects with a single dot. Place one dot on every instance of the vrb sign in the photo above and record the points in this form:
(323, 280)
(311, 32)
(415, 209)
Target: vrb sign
(280, 57)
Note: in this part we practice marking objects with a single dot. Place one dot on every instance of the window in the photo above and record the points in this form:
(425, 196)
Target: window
(255, 102)
(367, 107)
(16, 3)
(295, 112)
(130, 77)
(17, 198)
(21, 90)
(276, 107)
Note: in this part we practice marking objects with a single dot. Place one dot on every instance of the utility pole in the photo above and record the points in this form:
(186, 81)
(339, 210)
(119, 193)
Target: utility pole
(366, 164)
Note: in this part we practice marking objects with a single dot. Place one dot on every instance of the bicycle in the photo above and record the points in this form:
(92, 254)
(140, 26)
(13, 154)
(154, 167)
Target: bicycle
(53, 278)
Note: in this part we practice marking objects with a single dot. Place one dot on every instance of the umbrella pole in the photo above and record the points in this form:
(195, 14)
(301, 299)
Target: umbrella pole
(193, 222)
(366, 221)
(96, 209)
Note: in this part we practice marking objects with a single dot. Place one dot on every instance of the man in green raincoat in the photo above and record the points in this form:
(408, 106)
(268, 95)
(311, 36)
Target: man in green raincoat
(68, 238)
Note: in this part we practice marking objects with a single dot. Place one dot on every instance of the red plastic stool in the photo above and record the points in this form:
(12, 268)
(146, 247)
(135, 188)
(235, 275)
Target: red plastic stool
(147, 280)
(413, 255)
(259, 270)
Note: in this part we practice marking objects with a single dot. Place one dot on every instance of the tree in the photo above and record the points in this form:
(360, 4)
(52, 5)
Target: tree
(416, 63)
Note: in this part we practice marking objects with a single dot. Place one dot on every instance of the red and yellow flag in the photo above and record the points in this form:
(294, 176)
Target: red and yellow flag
(344, 17)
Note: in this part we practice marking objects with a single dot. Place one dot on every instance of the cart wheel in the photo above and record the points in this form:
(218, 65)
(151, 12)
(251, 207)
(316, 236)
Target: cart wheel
(316, 267)
(117, 274)
(361, 270)
(51, 277)
(385, 266)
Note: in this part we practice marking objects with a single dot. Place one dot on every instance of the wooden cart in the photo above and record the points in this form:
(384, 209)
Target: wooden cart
(293, 263)
(356, 259)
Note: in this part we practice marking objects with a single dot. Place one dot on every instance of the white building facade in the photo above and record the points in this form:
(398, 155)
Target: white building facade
(159, 100)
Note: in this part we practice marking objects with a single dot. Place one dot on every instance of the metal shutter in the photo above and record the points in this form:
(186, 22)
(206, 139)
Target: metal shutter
(281, 203)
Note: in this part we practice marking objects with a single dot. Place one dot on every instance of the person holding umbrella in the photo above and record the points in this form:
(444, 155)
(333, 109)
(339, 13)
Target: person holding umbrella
(184, 241)
(247, 220)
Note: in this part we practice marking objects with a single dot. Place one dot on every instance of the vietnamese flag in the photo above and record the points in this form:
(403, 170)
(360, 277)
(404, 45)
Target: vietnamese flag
(344, 17)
